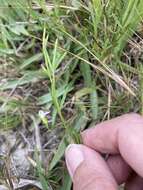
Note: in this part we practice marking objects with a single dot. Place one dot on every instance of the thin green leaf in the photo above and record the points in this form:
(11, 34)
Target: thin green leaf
(58, 154)
(30, 60)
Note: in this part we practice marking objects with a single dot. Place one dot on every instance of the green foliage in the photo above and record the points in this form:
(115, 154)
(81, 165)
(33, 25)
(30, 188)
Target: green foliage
(72, 60)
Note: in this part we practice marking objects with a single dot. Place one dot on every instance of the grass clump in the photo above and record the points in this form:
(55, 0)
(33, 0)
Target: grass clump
(66, 65)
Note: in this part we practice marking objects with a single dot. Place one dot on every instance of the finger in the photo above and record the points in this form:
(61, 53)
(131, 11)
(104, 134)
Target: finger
(88, 169)
(119, 168)
(121, 135)
(134, 183)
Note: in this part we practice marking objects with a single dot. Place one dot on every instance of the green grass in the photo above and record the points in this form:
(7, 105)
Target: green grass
(78, 61)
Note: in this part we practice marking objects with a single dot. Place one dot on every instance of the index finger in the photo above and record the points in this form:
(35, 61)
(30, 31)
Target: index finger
(122, 135)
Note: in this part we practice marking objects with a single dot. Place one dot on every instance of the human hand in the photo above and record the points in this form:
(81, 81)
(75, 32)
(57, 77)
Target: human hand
(122, 139)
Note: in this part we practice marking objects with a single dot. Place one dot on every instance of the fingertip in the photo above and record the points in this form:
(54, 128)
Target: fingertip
(88, 136)
(74, 157)
(104, 136)
(93, 172)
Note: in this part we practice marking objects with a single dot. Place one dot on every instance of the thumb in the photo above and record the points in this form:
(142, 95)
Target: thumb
(88, 169)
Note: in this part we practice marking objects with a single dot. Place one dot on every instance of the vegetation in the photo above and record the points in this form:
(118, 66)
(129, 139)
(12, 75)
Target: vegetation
(66, 65)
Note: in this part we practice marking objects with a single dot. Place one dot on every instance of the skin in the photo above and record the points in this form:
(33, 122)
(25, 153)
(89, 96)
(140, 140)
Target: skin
(122, 139)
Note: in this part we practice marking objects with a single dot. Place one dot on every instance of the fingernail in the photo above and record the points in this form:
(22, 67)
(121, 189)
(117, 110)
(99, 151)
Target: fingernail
(74, 157)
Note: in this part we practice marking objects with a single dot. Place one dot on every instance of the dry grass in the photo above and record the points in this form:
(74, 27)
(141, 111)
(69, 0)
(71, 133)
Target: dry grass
(64, 66)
